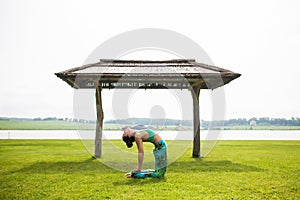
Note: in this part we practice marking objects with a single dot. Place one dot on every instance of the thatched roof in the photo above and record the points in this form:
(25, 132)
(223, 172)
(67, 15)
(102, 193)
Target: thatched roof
(179, 73)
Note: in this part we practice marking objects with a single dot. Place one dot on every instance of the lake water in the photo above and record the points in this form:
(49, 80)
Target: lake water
(168, 135)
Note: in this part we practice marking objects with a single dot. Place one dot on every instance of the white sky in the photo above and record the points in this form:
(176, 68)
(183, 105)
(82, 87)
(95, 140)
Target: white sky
(259, 39)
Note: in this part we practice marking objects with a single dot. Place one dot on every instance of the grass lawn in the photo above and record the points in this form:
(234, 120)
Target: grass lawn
(261, 128)
(44, 125)
(60, 125)
(62, 169)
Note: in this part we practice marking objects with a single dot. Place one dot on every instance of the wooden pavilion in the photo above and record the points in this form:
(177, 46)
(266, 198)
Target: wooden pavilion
(145, 74)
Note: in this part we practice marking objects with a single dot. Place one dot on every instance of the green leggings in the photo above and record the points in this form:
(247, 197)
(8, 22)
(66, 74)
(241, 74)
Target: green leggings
(160, 163)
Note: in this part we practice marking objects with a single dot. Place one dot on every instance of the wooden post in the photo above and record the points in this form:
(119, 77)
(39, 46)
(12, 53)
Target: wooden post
(99, 123)
(196, 145)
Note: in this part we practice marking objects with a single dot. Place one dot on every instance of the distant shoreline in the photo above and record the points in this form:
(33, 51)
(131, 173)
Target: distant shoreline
(68, 125)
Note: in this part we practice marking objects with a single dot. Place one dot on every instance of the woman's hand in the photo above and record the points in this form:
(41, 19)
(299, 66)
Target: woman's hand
(128, 175)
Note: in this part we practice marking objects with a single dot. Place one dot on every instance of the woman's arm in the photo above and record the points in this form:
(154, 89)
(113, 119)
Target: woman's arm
(139, 143)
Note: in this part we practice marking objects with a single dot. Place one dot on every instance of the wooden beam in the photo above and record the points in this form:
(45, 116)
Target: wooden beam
(199, 82)
(196, 144)
(99, 124)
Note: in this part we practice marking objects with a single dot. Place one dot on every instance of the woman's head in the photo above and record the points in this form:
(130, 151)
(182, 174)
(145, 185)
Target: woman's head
(128, 140)
(128, 137)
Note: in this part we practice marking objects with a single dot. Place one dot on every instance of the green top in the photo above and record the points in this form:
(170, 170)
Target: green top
(151, 134)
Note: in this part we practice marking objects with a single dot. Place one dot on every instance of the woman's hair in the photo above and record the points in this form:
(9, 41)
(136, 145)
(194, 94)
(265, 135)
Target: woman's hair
(128, 140)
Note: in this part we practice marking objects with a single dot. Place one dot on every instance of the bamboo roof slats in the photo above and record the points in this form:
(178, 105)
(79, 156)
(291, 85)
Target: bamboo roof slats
(178, 73)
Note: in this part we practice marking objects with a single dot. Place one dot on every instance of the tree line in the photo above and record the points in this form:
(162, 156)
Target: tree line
(153, 122)
(47, 119)
(263, 121)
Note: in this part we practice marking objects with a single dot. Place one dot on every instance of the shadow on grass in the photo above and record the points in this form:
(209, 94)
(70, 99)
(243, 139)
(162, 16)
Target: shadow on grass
(202, 165)
(134, 181)
(193, 166)
(90, 166)
(93, 166)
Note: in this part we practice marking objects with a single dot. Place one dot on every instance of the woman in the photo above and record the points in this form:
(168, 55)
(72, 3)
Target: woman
(160, 152)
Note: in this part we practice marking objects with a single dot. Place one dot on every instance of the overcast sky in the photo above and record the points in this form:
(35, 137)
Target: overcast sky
(259, 39)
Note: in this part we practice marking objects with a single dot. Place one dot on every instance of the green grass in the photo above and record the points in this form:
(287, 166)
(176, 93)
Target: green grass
(43, 125)
(261, 128)
(59, 125)
(62, 169)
